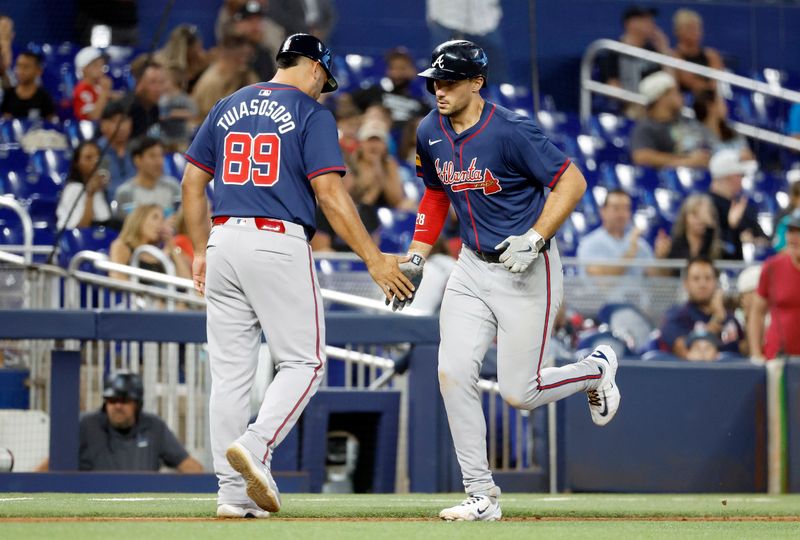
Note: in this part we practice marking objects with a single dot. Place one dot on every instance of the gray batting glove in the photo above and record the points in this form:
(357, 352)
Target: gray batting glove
(412, 269)
(520, 251)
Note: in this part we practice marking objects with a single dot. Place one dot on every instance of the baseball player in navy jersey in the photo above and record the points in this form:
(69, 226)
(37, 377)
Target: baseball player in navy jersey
(511, 190)
(270, 148)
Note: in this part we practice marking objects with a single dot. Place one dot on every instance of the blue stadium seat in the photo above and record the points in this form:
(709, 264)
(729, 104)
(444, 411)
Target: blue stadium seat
(80, 239)
(11, 235)
(29, 186)
(174, 164)
(15, 160)
(52, 162)
(78, 131)
(587, 343)
(626, 321)
(660, 356)
(397, 229)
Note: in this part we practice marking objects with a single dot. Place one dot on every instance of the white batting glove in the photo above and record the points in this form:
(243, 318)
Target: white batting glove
(520, 251)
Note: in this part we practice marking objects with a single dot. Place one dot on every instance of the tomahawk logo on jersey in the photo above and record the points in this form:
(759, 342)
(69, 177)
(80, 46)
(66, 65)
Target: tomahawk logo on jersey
(489, 189)
(264, 144)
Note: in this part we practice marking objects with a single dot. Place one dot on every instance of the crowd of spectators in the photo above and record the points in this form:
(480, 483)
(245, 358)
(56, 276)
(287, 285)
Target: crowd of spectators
(173, 89)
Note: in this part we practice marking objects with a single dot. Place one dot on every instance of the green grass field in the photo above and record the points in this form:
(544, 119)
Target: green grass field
(377, 517)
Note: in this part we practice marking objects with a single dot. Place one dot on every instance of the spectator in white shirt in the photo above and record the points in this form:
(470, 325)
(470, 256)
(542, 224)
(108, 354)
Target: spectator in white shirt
(84, 183)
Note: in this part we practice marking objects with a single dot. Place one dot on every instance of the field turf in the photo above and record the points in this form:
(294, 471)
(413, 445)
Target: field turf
(377, 517)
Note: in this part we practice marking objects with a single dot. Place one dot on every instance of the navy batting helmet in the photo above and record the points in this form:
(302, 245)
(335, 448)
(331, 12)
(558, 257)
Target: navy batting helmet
(455, 61)
(124, 385)
(310, 47)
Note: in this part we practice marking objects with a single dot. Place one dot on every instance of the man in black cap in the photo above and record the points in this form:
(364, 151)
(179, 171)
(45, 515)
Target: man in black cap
(702, 346)
(641, 31)
(120, 437)
(249, 23)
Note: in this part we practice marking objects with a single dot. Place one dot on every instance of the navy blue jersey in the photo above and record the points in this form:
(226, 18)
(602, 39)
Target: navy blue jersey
(497, 173)
(264, 144)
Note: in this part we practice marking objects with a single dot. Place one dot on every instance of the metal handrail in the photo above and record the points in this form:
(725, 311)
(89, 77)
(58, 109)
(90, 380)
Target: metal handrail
(589, 86)
(101, 262)
(153, 251)
(27, 225)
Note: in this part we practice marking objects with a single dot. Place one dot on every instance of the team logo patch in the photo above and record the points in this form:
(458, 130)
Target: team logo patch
(265, 93)
(439, 62)
(472, 178)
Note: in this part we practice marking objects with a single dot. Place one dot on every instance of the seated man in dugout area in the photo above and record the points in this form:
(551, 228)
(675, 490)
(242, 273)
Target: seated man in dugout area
(121, 437)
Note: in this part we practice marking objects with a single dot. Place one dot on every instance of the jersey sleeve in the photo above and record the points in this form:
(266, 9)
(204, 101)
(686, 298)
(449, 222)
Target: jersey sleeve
(425, 168)
(321, 152)
(534, 156)
(202, 152)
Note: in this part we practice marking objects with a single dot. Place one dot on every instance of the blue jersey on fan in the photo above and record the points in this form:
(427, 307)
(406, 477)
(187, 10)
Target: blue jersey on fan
(497, 173)
(264, 144)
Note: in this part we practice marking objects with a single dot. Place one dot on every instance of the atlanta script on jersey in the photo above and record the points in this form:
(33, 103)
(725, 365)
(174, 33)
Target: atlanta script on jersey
(264, 144)
(495, 173)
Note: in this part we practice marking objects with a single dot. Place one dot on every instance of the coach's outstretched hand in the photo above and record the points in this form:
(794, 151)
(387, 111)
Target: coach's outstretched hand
(387, 274)
(520, 251)
(411, 267)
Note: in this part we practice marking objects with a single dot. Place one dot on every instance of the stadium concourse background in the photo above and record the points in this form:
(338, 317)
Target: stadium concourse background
(544, 40)
(750, 34)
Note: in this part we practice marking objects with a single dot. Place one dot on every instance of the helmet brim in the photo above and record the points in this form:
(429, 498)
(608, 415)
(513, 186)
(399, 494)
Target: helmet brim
(437, 74)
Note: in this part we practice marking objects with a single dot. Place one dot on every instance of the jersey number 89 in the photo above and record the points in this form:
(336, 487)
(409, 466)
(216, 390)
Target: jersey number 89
(248, 157)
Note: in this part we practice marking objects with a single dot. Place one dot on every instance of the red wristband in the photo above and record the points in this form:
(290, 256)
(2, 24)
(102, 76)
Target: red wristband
(432, 212)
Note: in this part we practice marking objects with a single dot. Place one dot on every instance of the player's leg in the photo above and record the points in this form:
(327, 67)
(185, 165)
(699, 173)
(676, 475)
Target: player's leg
(282, 286)
(467, 328)
(233, 339)
(526, 305)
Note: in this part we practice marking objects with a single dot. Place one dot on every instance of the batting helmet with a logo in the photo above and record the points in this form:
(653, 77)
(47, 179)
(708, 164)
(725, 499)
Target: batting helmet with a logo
(310, 47)
(455, 61)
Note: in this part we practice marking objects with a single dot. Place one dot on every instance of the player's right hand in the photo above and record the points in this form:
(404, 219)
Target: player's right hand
(199, 273)
(411, 266)
(385, 270)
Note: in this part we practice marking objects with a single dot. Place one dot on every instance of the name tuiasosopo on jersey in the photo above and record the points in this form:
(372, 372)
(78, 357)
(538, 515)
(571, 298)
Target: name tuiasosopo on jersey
(264, 144)
(497, 173)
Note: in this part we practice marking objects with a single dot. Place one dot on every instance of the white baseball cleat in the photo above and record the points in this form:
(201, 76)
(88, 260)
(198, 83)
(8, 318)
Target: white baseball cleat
(261, 487)
(476, 507)
(239, 511)
(604, 400)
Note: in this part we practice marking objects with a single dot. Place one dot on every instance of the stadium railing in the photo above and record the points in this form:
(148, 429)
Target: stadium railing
(590, 86)
(176, 372)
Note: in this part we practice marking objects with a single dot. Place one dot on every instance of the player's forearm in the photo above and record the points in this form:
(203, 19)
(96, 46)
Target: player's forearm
(195, 207)
(561, 202)
(197, 221)
(420, 247)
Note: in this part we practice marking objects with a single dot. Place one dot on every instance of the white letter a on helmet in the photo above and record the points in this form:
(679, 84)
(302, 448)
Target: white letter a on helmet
(439, 62)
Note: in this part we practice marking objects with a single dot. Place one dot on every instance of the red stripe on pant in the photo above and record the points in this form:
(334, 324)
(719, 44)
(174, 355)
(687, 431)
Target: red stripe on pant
(319, 360)
(546, 322)
(568, 381)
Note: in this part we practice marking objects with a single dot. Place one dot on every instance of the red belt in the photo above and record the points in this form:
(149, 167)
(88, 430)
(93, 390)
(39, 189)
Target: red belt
(262, 223)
